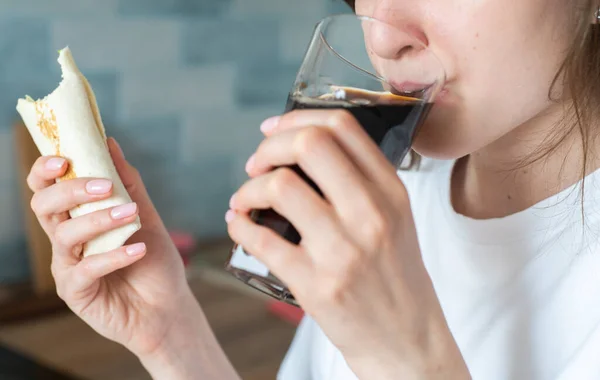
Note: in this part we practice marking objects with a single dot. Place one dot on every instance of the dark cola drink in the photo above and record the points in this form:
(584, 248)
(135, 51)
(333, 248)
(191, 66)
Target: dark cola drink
(390, 120)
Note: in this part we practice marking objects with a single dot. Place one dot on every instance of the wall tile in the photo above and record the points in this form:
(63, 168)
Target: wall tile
(193, 197)
(36, 84)
(24, 46)
(104, 85)
(290, 9)
(294, 39)
(258, 85)
(222, 132)
(147, 142)
(159, 92)
(238, 40)
(160, 8)
(337, 6)
(133, 44)
(56, 8)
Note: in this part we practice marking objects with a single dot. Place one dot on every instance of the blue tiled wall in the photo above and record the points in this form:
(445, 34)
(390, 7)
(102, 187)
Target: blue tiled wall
(183, 84)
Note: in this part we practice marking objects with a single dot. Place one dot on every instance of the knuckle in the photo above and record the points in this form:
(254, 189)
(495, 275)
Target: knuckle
(98, 220)
(333, 290)
(342, 119)
(62, 236)
(135, 172)
(31, 180)
(73, 189)
(350, 264)
(309, 139)
(281, 183)
(341, 273)
(232, 230)
(376, 228)
(35, 204)
(54, 271)
(60, 293)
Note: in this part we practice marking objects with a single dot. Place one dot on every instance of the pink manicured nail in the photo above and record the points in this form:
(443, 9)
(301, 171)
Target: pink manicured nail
(123, 211)
(232, 201)
(229, 216)
(135, 249)
(250, 163)
(55, 163)
(98, 186)
(270, 124)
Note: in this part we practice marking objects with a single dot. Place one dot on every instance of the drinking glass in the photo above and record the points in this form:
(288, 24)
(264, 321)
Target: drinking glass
(385, 76)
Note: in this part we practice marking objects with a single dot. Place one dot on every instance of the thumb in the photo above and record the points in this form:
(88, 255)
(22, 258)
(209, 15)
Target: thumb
(131, 179)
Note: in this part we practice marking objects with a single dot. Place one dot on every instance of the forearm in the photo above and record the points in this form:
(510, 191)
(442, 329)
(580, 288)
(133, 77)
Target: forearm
(190, 351)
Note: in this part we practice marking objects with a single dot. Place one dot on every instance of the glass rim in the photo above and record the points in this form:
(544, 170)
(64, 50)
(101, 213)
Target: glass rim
(438, 83)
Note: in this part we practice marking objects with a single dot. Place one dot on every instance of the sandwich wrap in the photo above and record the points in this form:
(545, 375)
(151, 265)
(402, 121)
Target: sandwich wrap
(67, 123)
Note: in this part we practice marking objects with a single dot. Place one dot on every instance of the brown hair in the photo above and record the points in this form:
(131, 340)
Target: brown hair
(579, 76)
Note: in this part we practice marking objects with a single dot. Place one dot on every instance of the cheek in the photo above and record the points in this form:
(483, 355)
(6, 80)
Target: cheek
(502, 80)
(481, 115)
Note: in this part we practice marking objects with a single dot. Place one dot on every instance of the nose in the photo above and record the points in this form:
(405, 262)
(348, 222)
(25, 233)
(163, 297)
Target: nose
(398, 32)
(398, 45)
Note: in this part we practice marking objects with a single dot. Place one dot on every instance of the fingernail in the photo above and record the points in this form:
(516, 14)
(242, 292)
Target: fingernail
(232, 201)
(229, 216)
(123, 211)
(98, 186)
(135, 249)
(250, 163)
(55, 163)
(270, 124)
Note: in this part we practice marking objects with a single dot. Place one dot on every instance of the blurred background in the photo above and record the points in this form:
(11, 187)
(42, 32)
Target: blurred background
(183, 85)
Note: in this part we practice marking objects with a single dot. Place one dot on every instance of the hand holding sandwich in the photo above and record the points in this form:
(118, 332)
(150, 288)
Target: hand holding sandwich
(147, 305)
(113, 260)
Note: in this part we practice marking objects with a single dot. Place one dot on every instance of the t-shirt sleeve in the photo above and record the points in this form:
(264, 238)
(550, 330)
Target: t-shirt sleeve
(297, 364)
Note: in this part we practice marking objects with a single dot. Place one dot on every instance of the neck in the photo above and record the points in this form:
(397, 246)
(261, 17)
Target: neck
(499, 180)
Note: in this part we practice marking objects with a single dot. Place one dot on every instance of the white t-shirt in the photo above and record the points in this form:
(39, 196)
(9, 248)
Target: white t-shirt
(521, 294)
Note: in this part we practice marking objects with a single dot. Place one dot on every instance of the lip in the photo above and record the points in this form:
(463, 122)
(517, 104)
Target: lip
(408, 87)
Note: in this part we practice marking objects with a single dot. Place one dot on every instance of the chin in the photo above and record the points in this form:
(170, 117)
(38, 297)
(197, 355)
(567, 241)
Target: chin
(440, 139)
(436, 150)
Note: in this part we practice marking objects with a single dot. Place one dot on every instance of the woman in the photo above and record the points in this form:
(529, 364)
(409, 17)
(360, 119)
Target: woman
(481, 264)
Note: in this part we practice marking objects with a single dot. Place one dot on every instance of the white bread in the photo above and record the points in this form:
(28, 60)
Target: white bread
(67, 123)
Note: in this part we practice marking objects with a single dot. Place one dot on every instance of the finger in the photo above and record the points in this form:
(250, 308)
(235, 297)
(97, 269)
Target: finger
(348, 133)
(321, 158)
(291, 197)
(73, 233)
(287, 261)
(92, 268)
(66, 195)
(45, 171)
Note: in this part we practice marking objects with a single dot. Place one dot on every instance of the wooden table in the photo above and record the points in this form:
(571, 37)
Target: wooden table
(254, 340)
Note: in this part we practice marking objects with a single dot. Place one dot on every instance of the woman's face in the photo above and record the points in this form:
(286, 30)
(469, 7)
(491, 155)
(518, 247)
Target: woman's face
(500, 57)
